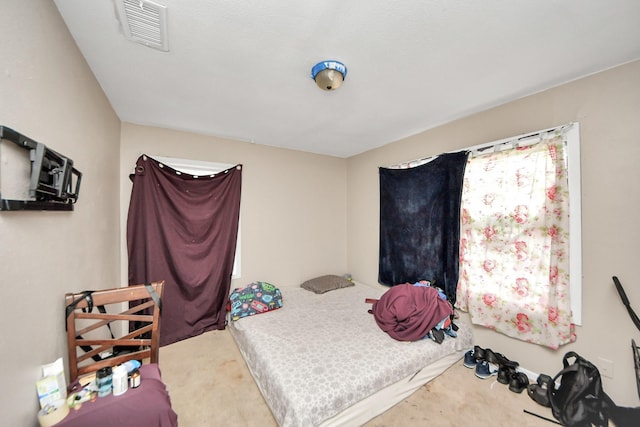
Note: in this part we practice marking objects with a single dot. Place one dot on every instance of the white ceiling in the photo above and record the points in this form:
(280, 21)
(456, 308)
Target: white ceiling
(240, 69)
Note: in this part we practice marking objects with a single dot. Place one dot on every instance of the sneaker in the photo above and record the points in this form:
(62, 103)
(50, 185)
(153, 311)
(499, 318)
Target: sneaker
(484, 370)
(470, 359)
(449, 331)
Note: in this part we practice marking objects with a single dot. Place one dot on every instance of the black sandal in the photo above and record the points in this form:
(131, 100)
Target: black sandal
(539, 392)
(519, 381)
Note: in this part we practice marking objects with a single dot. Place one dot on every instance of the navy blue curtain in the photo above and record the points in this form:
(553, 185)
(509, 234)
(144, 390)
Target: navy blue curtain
(183, 230)
(420, 223)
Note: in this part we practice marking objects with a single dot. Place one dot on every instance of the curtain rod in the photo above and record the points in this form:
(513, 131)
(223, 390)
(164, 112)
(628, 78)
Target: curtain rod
(485, 146)
(518, 141)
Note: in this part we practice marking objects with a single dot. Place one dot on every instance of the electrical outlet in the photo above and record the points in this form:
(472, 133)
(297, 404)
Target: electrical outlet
(605, 367)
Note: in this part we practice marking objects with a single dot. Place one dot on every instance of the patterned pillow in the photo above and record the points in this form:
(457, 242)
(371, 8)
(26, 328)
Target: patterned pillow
(256, 298)
(326, 283)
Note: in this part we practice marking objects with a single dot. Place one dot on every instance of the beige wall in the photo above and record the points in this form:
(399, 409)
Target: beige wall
(48, 93)
(607, 106)
(292, 208)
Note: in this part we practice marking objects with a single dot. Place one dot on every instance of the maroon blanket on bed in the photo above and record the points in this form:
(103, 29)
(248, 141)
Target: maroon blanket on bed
(408, 313)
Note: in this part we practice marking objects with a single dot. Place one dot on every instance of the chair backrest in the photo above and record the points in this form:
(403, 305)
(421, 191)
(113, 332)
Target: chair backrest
(132, 315)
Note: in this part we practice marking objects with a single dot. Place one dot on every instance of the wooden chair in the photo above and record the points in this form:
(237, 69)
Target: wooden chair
(106, 328)
(92, 312)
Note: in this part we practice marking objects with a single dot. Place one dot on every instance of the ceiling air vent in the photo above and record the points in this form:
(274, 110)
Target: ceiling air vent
(144, 22)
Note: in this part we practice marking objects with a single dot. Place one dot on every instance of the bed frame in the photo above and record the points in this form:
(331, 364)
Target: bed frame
(321, 359)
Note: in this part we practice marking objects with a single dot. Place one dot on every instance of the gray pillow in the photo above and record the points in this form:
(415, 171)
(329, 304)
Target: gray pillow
(327, 283)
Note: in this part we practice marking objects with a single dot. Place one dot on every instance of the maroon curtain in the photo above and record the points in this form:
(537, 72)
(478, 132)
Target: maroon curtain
(183, 230)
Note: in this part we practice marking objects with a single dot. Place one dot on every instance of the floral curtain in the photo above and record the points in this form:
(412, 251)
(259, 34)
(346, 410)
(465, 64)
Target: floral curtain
(514, 243)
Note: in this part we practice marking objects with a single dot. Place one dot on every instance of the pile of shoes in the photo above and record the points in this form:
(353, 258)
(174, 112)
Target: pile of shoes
(487, 363)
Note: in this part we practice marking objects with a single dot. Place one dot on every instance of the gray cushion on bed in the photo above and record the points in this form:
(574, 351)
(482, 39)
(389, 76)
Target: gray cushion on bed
(326, 283)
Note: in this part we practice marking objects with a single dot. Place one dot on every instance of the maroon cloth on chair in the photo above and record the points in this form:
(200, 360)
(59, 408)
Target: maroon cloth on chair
(183, 230)
(408, 313)
(145, 406)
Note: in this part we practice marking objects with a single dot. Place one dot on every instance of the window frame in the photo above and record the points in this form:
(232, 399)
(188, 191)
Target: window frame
(572, 135)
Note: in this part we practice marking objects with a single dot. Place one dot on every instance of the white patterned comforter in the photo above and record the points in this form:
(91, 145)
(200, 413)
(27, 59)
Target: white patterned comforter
(320, 354)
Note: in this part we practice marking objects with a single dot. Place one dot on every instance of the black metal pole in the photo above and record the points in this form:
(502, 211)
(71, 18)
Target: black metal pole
(540, 416)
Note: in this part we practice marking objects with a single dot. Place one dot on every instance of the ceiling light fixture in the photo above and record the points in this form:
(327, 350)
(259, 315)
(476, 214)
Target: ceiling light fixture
(329, 75)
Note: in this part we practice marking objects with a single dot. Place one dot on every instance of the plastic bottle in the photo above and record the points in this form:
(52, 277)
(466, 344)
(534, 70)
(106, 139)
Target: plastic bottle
(134, 379)
(120, 382)
(103, 381)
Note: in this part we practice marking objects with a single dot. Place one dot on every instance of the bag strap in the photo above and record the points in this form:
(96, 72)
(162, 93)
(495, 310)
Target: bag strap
(154, 296)
(569, 355)
(627, 304)
(103, 310)
(86, 295)
(567, 368)
(72, 305)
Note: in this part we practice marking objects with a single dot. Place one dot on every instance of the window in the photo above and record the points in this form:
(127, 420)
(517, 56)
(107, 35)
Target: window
(526, 162)
(520, 237)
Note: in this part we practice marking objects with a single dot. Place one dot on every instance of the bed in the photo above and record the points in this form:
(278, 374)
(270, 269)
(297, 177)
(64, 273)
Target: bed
(321, 359)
